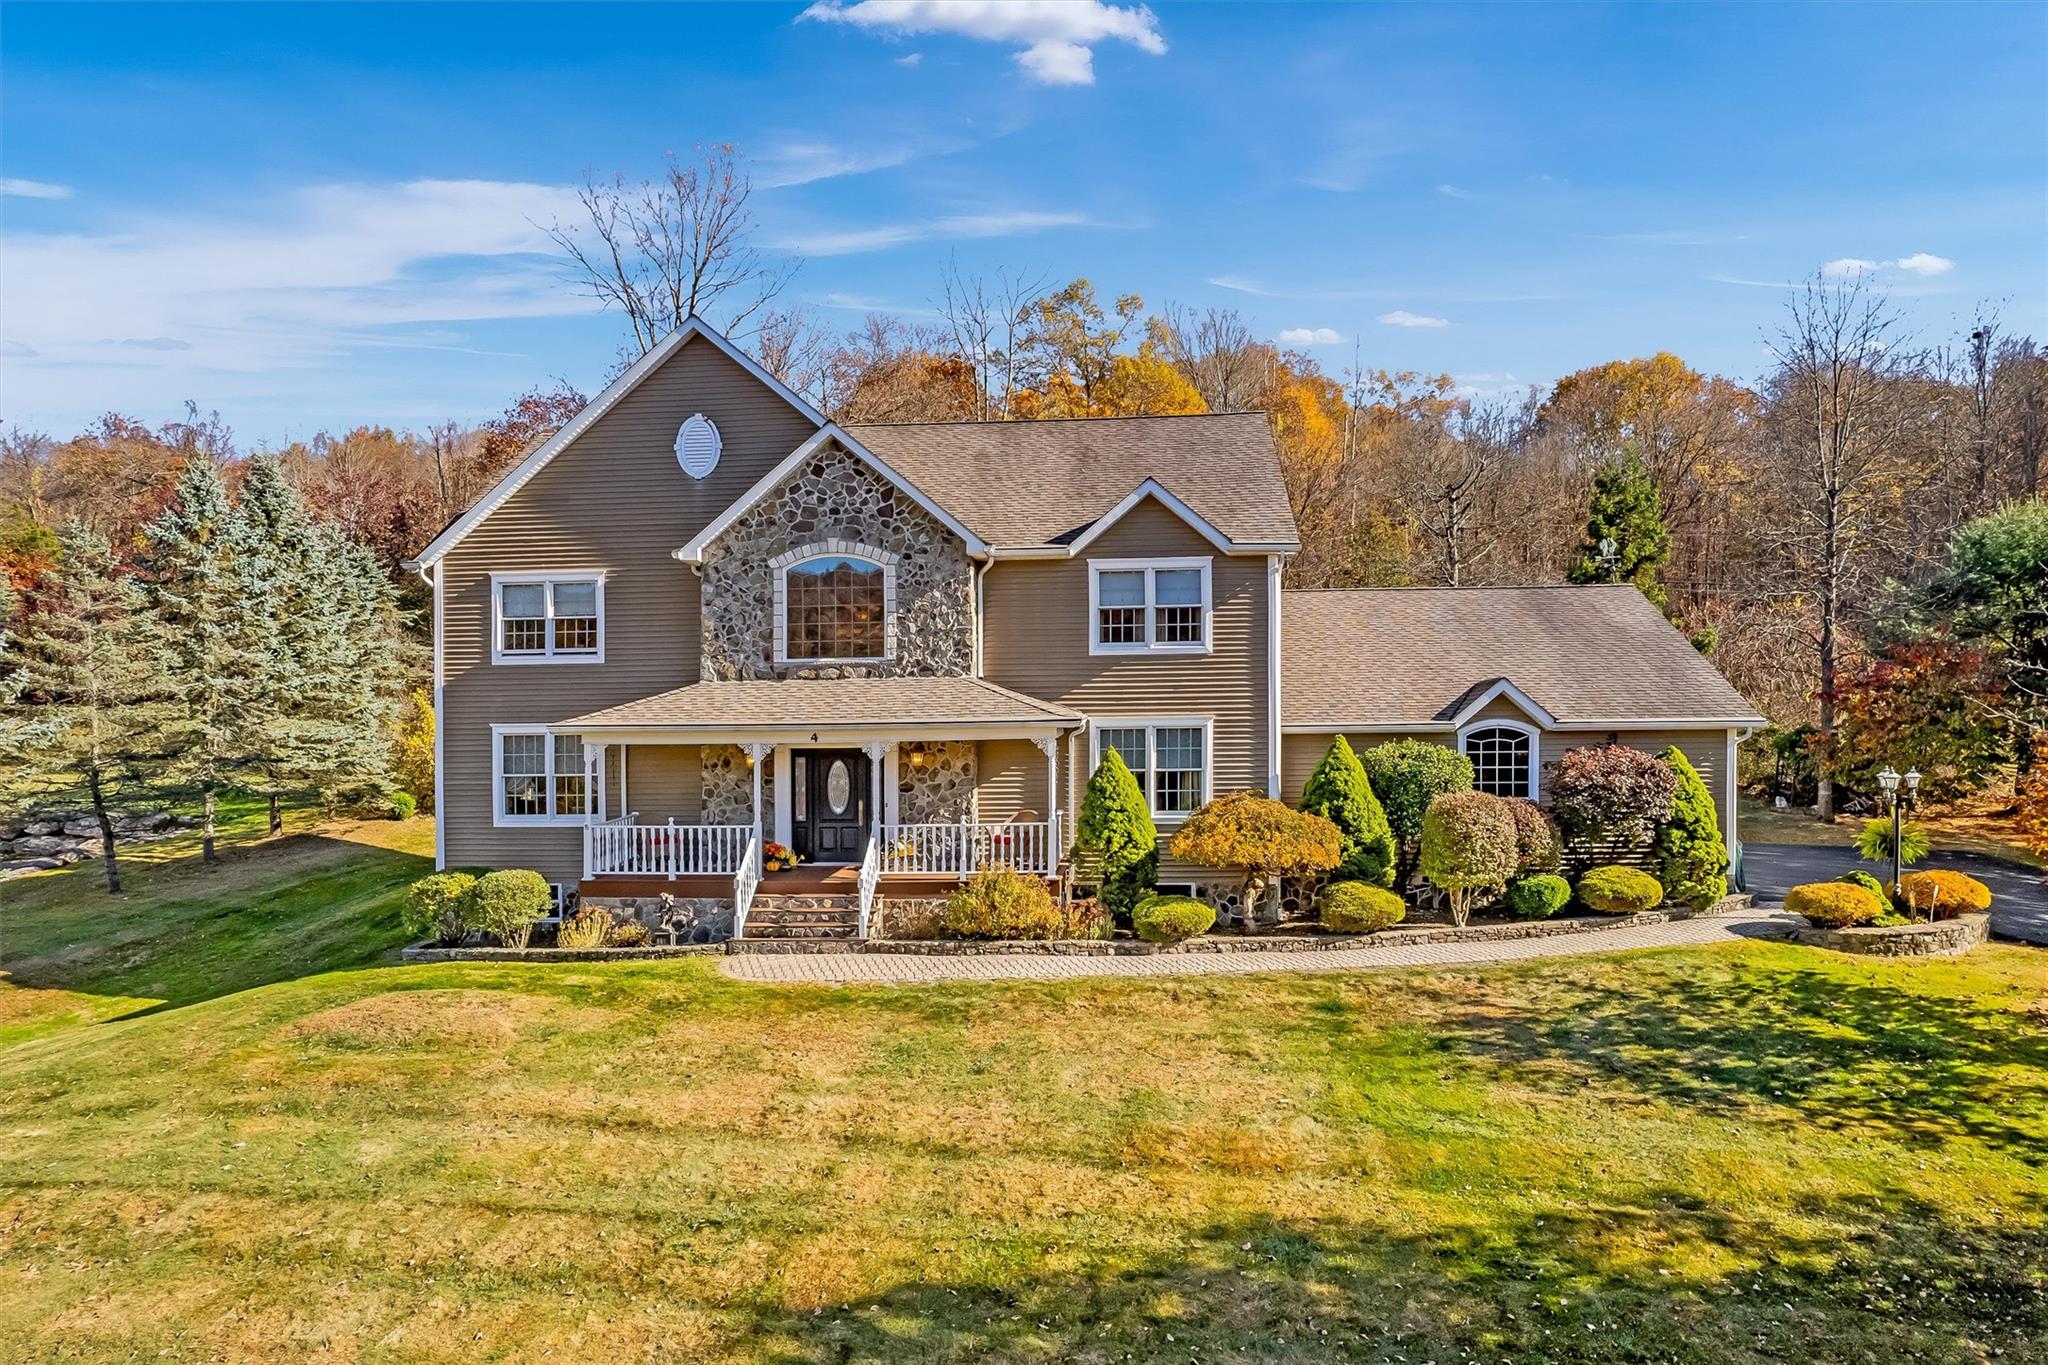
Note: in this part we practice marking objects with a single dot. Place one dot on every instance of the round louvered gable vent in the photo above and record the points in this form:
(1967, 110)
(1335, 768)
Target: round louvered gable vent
(697, 446)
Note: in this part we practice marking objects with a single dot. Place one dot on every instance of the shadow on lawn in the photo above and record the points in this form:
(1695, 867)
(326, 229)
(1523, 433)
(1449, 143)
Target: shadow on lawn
(288, 907)
(1843, 1053)
(1824, 1281)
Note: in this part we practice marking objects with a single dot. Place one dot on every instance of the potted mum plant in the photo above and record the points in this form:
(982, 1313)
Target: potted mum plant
(775, 857)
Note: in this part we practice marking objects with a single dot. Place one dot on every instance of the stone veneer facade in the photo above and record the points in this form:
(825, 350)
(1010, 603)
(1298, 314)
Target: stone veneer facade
(836, 504)
(935, 781)
(729, 787)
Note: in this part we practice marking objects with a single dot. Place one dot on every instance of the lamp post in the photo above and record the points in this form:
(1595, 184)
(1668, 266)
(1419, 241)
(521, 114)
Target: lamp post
(1889, 782)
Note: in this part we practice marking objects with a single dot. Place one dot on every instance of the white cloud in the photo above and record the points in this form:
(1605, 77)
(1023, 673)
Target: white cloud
(1310, 336)
(801, 163)
(270, 285)
(32, 189)
(1922, 263)
(16, 351)
(1057, 36)
(910, 59)
(1453, 192)
(965, 226)
(1847, 266)
(1401, 317)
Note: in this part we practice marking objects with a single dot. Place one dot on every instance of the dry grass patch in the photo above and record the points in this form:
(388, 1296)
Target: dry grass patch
(446, 1018)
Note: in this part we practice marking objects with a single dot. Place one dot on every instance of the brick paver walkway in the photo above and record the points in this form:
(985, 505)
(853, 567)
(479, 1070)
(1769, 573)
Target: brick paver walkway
(906, 968)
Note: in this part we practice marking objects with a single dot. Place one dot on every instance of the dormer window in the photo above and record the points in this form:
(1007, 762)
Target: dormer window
(551, 618)
(1503, 756)
(1143, 606)
(834, 605)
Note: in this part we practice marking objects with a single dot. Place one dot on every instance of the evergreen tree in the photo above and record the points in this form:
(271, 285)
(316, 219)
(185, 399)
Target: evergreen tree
(281, 725)
(80, 686)
(1625, 509)
(1692, 857)
(361, 672)
(1339, 791)
(1116, 833)
(204, 645)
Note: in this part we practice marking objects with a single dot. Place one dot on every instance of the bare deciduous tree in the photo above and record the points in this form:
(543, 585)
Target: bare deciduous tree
(664, 250)
(1217, 352)
(988, 323)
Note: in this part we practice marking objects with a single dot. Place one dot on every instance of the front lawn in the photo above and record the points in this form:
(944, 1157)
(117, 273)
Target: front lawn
(1757, 1153)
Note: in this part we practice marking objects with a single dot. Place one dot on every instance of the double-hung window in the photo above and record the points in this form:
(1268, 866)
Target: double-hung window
(539, 777)
(1141, 606)
(553, 618)
(1170, 759)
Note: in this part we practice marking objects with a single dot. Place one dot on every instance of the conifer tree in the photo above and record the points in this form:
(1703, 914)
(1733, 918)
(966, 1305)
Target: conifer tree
(280, 726)
(202, 642)
(1692, 856)
(1626, 510)
(80, 686)
(1116, 832)
(1339, 791)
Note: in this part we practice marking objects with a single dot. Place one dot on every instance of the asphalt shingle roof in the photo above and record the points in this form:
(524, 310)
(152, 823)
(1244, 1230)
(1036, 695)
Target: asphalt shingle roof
(1042, 483)
(1414, 656)
(825, 702)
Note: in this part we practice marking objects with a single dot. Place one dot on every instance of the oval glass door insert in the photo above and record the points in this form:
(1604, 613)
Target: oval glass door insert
(838, 786)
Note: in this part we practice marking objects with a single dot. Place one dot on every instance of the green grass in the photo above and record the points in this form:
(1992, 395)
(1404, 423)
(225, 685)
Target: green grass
(1745, 1154)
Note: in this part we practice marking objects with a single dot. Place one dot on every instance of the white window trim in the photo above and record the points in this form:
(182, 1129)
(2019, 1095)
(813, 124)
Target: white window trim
(547, 655)
(1151, 725)
(1151, 568)
(1535, 735)
(779, 568)
(498, 813)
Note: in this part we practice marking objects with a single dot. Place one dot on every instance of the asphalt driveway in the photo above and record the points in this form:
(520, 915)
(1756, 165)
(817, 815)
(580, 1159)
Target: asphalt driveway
(2019, 895)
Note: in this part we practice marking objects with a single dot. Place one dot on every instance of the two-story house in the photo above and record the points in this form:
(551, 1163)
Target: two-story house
(702, 619)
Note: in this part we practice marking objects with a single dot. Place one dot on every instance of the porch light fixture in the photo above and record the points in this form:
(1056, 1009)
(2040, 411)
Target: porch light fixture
(917, 758)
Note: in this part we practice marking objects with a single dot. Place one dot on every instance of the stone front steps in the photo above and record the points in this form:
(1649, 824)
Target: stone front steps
(802, 918)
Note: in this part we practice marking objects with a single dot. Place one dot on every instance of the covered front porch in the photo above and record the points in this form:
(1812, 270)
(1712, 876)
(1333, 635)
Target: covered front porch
(851, 788)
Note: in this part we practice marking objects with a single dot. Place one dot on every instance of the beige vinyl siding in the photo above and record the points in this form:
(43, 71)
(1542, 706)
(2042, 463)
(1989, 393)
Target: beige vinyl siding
(1706, 750)
(613, 500)
(1038, 629)
(1010, 776)
(666, 782)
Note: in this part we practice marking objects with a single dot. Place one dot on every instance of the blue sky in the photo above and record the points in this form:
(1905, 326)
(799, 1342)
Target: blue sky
(312, 217)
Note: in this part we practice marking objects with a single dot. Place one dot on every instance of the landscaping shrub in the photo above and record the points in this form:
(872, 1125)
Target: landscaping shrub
(1115, 835)
(1360, 908)
(1611, 792)
(1170, 919)
(587, 928)
(1260, 839)
(1000, 902)
(1538, 896)
(1941, 894)
(1086, 917)
(1691, 852)
(506, 905)
(1537, 847)
(1468, 847)
(629, 933)
(1875, 842)
(404, 805)
(1868, 883)
(1619, 890)
(437, 906)
(1835, 905)
(1406, 775)
(1339, 791)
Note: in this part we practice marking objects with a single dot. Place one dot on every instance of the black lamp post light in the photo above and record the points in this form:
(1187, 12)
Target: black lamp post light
(1889, 781)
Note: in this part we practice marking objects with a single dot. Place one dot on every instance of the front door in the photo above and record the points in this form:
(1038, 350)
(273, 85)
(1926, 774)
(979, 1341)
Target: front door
(829, 810)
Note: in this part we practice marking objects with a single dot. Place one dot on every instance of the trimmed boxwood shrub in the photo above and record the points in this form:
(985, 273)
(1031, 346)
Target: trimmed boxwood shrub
(1360, 908)
(404, 805)
(1619, 890)
(1169, 919)
(1834, 905)
(507, 904)
(1539, 896)
(1868, 883)
(1000, 902)
(1339, 791)
(437, 905)
(1941, 894)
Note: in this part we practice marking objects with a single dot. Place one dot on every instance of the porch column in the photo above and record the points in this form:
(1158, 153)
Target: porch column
(785, 788)
(892, 785)
(1050, 747)
(877, 752)
(757, 753)
(593, 771)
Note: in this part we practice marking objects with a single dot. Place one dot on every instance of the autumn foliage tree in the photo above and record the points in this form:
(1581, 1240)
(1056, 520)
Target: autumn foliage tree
(1260, 839)
(1932, 705)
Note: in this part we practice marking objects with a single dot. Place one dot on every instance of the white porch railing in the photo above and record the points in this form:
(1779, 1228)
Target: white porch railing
(870, 874)
(744, 882)
(669, 850)
(960, 850)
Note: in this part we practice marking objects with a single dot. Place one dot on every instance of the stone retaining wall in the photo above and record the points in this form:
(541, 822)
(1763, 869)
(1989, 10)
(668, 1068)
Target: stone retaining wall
(1943, 938)
(694, 919)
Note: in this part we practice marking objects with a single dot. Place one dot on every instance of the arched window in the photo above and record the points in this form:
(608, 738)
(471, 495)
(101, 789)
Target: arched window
(1503, 759)
(835, 606)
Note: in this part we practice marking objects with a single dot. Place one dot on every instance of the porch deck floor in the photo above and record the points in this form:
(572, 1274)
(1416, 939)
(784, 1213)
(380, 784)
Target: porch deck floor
(831, 880)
